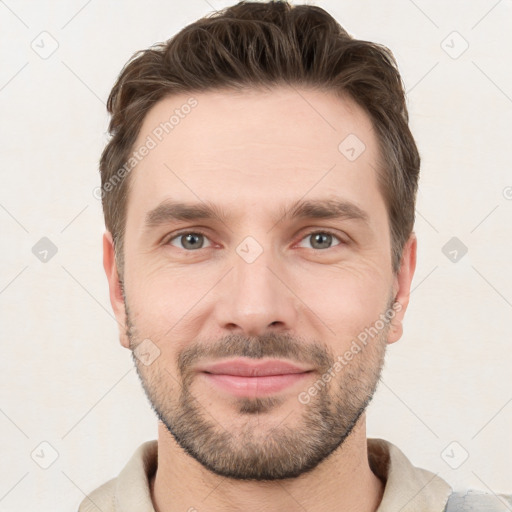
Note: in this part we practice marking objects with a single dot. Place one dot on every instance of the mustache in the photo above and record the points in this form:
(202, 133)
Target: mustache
(272, 345)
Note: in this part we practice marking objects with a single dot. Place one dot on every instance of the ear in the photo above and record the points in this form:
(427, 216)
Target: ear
(116, 293)
(402, 288)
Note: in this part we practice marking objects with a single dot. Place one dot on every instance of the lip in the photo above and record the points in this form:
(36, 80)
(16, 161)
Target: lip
(243, 377)
(243, 367)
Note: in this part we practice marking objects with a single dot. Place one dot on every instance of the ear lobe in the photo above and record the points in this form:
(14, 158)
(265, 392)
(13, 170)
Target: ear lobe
(115, 286)
(402, 285)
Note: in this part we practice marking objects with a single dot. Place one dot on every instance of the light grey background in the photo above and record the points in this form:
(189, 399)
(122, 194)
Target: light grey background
(66, 380)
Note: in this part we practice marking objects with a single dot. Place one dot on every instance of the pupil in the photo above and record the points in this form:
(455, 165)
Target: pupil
(320, 236)
(190, 239)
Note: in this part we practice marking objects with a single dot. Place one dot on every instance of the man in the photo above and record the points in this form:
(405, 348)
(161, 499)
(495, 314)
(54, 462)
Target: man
(259, 193)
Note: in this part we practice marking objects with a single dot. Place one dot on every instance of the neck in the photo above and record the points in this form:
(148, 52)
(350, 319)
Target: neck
(343, 482)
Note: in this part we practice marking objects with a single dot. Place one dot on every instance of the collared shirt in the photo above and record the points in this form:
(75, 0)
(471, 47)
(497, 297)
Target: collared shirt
(407, 488)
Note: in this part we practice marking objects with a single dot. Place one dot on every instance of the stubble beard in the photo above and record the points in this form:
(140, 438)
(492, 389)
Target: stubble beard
(250, 449)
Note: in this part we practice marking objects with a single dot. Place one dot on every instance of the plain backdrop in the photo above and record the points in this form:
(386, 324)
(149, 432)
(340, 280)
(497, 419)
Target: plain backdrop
(70, 398)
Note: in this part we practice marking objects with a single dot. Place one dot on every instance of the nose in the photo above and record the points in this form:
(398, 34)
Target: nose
(255, 297)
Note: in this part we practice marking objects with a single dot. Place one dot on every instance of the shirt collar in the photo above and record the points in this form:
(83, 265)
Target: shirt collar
(407, 488)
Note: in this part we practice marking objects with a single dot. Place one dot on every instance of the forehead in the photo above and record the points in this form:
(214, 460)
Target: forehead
(256, 147)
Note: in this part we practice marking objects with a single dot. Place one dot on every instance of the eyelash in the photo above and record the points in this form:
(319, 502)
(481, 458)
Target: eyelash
(309, 233)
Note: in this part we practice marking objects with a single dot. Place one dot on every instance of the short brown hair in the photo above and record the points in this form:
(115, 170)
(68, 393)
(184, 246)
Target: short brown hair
(254, 44)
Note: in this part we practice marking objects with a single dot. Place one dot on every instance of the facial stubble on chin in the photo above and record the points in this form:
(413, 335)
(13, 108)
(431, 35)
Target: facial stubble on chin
(252, 451)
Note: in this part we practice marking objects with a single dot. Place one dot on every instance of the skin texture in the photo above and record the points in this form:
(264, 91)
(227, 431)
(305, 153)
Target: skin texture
(304, 299)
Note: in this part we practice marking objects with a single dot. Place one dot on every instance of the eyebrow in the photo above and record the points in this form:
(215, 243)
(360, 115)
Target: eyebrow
(169, 211)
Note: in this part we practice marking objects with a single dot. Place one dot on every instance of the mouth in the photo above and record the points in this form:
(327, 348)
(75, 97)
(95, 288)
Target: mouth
(246, 377)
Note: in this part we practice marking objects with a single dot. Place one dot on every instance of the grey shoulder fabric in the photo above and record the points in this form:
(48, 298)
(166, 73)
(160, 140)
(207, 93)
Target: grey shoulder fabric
(478, 501)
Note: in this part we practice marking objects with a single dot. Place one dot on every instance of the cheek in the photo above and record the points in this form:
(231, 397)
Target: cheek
(165, 301)
(169, 290)
(347, 300)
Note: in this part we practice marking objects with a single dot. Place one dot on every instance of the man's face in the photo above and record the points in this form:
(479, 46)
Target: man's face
(258, 282)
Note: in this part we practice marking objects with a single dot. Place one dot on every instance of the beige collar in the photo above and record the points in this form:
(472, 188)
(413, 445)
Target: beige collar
(407, 488)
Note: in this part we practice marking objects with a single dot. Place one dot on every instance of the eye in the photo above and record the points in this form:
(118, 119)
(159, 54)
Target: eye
(322, 239)
(194, 240)
(190, 240)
